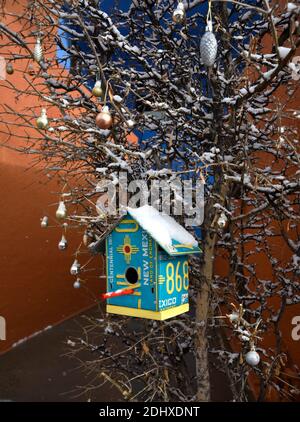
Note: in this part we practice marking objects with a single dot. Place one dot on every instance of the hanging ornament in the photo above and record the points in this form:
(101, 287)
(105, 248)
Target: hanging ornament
(85, 239)
(63, 244)
(208, 44)
(31, 70)
(130, 123)
(9, 69)
(104, 119)
(222, 221)
(179, 13)
(44, 222)
(61, 211)
(42, 121)
(97, 90)
(252, 357)
(38, 51)
(233, 317)
(75, 268)
(208, 47)
(77, 284)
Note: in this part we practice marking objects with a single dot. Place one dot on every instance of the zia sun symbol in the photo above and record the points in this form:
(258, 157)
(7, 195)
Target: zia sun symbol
(127, 249)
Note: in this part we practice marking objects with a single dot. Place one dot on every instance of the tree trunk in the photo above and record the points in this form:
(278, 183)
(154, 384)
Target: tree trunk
(202, 312)
(204, 290)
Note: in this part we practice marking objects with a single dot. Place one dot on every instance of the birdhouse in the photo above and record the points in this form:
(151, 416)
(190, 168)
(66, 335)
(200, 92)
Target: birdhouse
(147, 265)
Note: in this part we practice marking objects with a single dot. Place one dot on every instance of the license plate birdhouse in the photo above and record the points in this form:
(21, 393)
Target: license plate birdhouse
(147, 265)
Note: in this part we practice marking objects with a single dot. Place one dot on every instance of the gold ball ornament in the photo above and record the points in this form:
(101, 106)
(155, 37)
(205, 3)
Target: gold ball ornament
(104, 119)
(42, 121)
(61, 211)
(97, 90)
(9, 69)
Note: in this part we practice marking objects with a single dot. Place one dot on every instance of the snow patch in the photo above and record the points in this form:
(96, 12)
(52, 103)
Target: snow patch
(283, 52)
(25, 339)
(161, 227)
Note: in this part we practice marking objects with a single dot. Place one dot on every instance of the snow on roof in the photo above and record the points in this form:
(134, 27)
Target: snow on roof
(161, 227)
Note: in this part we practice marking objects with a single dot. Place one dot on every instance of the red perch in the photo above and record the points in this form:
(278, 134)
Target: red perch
(120, 292)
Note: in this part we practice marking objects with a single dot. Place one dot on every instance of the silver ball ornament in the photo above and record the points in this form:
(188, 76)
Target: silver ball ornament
(75, 268)
(77, 284)
(63, 244)
(252, 358)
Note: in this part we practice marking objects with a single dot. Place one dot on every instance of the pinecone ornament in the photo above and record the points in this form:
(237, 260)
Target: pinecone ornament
(38, 51)
(208, 47)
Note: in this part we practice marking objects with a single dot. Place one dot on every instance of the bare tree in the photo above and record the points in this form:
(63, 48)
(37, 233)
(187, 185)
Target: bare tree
(230, 125)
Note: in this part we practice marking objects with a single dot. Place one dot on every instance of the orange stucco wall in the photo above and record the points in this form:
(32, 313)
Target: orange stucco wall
(280, 250)
(36, 288)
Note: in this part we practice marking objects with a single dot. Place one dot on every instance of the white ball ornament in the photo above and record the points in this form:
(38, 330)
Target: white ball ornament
(234, 317)
(179, 13)
(44, 222)
(130, 123)
(252, 358)
(222, 221)
(208, 47)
